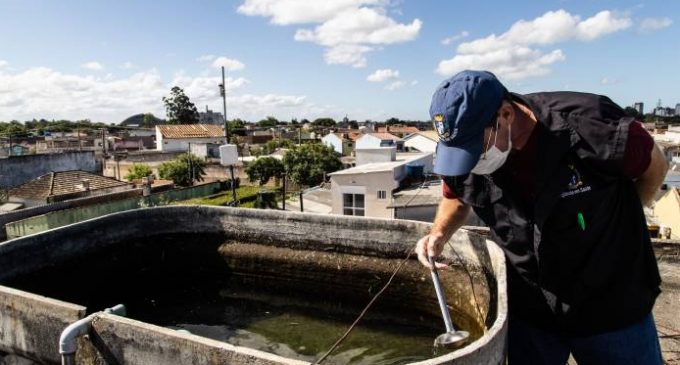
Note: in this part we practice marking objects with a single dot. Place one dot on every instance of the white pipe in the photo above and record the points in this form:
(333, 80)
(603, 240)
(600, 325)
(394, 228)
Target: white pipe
(68, 343)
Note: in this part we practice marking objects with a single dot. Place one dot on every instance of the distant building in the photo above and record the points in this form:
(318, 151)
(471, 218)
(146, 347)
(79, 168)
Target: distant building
(342, 143)
(677, 109)
(178, 137)
(63, 185)
(425, 141)
(375, 140)
(210, 117)
(640, 107)
(366, 190)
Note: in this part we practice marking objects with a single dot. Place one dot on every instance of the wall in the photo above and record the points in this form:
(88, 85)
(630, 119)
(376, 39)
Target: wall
(20, 214)
(367, 184)
(64, 217)
(176, 144)
(334, 141)
(17, 170)
(667, 210)
(376, 154)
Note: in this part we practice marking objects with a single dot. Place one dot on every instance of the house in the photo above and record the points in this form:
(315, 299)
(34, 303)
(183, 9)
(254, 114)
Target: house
(178, 137)
(667, 211)
(64, 185)
(398, 130)
(375, 140)
(366, 190)
(425, 141)
(342, 143)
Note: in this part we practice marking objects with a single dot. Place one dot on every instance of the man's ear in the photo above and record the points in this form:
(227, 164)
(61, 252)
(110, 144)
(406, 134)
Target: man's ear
(507, 112)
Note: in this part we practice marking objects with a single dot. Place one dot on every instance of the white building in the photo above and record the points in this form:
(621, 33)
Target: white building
(375, 140)
(340, 142)
(178, 137)
(425, 141)
(366, 190)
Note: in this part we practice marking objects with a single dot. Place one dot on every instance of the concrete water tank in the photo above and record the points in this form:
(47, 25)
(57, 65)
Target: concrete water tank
(52, 279)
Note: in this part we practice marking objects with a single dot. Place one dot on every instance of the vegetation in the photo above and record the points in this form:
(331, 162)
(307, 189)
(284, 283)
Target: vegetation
(263, 169)
(271, 146)
(44, 127)
(324, 122)
(179, 109)
(183, 170)
(307, 164)
(268, 122)
(138, 171)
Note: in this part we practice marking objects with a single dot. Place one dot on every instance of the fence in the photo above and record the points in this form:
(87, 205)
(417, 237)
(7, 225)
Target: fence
(64, 217)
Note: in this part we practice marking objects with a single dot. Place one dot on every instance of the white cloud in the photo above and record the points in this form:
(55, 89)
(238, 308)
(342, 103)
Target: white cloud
(94, 66)
(414, 82)
(3, 63)
(45, 93)
(348, 29)
(455, 38)
(511, 55)
(383, 75)
(395, 85)
(205, 58)
(652, 24)
(229, 64)
(127, 65)
(609, 81)
(287, 12)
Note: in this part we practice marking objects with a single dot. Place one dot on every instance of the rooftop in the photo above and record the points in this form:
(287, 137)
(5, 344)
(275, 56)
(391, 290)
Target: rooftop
(61, 183)
(426, 194)
(385, 136)
(402, 159)
(190, 130)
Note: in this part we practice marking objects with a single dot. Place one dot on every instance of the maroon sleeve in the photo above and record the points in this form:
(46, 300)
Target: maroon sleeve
(638, 153)
(447, 191)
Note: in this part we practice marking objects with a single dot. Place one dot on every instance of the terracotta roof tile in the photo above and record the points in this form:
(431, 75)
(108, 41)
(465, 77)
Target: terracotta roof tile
(191, 130)
(61, 183)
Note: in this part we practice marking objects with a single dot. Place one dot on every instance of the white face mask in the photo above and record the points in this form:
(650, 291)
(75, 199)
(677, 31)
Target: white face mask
(494, 158)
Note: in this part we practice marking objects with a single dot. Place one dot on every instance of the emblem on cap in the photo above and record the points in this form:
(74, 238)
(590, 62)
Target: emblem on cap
(442, 127)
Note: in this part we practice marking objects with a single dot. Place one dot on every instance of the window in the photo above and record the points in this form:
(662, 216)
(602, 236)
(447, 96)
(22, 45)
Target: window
(353, 204)
(382, 194)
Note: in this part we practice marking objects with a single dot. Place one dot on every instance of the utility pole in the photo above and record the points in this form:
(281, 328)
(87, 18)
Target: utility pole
(226, 135)
(284, 191)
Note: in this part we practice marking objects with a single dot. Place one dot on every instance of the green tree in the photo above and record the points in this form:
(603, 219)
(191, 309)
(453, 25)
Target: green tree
(179, 109)
(306, 164)
(237, 124)
(183, 170)
(268, 122)
(149, 120)
(324, 122)
(271, 146)
(263, 169)
(138, 171)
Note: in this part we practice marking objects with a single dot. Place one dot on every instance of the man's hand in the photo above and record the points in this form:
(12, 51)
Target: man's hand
(430, 245)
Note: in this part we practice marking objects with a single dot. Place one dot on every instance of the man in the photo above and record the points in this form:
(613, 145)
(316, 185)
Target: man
(560, 178)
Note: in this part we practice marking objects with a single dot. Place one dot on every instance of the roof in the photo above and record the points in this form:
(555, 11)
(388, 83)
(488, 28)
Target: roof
(61, 183)
(191, 130)
(402, 159)
(431, 135)
(385, 136)
(422, 195)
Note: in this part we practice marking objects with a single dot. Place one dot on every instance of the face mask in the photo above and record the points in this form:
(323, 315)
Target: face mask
(494, 158)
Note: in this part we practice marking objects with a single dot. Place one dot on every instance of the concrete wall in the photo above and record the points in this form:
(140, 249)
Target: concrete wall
(20, 214)
(128, 341)
(375, 154)
(64, 217)
(421, 143)
(17, 170)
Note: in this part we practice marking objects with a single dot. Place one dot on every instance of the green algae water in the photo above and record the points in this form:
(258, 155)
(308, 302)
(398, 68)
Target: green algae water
(290, 302)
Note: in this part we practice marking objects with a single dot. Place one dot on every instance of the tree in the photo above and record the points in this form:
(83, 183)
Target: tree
(179, 109)
(138, 171)
(306, 164)
(236, 124)
(263, 169)
(149, 120)
(268, 122)
(272, 145)
(324, 122)
(632, 112)
(183, 170)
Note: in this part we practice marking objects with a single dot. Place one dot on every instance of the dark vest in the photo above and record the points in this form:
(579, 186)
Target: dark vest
(580, 259)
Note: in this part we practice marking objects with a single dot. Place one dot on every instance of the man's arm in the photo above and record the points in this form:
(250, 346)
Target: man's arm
(451, 215)
(649, 182)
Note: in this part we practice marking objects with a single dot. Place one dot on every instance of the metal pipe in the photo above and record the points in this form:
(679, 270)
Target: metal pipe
(441, 298)
(68, 343)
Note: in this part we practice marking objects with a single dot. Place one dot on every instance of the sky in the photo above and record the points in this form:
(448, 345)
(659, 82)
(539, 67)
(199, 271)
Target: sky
(106, 60)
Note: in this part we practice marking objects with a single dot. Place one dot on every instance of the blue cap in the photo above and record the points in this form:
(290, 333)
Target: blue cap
(462, 107)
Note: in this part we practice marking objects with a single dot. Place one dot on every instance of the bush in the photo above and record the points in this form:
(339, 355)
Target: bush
(138, 171)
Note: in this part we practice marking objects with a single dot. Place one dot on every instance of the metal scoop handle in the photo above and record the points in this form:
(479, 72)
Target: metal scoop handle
(441, 297)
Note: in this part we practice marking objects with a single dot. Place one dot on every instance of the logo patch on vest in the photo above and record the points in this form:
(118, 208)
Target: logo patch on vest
(575, 185)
